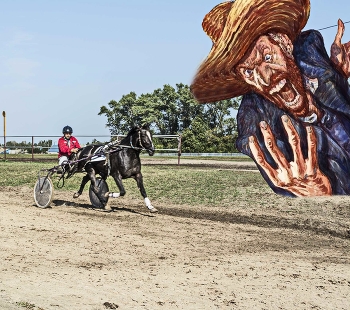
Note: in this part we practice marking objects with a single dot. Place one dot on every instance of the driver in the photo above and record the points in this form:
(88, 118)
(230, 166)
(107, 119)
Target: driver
(67, 145)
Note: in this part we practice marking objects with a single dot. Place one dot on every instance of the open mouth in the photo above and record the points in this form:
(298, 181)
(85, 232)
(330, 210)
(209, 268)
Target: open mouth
(286, 92)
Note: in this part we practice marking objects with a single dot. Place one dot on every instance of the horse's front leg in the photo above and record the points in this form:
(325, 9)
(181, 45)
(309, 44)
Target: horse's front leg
(85, 179)
(139, 180)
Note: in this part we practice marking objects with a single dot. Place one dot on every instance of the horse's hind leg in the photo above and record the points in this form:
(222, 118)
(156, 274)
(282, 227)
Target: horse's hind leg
(118, 180)
(139, 180)
(85, 179)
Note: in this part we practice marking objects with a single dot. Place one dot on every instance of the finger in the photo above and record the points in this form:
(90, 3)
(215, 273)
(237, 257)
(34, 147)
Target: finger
(294, 141)
(312, 164)
(347, 46)
(261, 161)
(340, 32)
(271, 146)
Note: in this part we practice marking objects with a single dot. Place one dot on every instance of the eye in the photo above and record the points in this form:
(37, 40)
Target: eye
(248, 72)
(268, 58)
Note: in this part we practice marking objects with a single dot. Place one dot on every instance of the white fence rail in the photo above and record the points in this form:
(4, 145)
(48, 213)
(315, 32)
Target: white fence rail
(33, 143)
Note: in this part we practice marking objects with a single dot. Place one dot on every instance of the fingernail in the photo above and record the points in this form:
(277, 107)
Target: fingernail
(251, 139)
(263, 125)
(308, 129)
(285, 118)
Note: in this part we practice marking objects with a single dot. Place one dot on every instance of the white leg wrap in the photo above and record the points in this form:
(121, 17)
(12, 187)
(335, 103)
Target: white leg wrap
(114, 195)
(148, 203)
(149, 206)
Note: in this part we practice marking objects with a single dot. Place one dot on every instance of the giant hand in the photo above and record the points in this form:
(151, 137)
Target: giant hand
(302, 176)
(340, 53)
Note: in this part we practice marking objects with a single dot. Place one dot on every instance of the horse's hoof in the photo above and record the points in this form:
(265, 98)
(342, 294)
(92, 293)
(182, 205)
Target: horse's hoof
(76, 195)
(153, 210)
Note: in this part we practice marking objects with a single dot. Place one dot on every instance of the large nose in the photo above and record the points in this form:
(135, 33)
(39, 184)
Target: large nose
(262, 75)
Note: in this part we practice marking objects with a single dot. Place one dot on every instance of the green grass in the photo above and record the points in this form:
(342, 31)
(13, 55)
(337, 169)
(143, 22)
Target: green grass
(37, 157)
(166, 184)
(218, 158)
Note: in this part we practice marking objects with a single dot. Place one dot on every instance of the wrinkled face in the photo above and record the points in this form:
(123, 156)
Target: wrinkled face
(273, 73)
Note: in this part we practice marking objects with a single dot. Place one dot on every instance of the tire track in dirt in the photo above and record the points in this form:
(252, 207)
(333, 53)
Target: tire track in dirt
(319, 226)
(261, 220)
(267, 221)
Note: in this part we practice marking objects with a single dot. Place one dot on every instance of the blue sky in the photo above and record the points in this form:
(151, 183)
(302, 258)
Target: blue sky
(61, 60)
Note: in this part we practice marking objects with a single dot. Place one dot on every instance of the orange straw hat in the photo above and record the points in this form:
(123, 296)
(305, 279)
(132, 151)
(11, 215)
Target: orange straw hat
(233, 26)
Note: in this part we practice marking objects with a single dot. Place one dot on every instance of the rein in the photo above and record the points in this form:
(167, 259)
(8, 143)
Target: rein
(142, 148)
(139, 138)
(104, 151)
(101, 153)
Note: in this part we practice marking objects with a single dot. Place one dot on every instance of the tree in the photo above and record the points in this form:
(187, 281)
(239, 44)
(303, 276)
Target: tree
(120, 115)
(170, 110)
(189, 108)
(219, 117)
(196, 137)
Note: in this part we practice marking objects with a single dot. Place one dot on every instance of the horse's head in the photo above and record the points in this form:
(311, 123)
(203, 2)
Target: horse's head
(143, 139)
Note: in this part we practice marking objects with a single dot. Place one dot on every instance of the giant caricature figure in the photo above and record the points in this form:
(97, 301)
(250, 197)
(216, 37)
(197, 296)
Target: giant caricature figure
(294, 118)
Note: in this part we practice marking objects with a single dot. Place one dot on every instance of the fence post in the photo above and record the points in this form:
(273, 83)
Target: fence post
(4, 115)
(32, 148)
(5, 147)
(179, 150)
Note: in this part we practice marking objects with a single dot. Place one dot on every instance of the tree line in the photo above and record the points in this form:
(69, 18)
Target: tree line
(41, 147)
(209, 127)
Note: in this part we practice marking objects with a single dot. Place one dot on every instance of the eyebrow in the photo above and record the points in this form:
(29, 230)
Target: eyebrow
(252, 60)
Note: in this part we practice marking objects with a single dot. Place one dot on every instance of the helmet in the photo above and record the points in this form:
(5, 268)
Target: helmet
(67, 129)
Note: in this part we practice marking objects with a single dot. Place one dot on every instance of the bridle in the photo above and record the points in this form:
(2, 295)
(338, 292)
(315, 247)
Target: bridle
(139, 140)
(109, 148)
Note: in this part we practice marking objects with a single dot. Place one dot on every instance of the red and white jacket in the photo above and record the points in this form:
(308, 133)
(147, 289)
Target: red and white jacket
(65, 146)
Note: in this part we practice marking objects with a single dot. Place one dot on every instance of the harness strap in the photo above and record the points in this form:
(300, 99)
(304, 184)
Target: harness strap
(99, 152)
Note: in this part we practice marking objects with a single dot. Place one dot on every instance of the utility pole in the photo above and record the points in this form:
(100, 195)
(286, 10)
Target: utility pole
(4, 115)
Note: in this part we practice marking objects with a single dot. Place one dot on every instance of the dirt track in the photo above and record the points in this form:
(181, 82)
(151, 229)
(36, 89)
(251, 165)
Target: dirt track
(72, 257)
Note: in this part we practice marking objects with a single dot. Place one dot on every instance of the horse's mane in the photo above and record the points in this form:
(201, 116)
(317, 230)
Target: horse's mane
(132, 131)
(137, 128)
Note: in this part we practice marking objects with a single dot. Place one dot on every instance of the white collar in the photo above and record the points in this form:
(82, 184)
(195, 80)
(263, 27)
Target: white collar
(309, 119)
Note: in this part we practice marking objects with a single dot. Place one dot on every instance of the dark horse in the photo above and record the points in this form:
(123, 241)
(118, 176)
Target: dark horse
(121, 161)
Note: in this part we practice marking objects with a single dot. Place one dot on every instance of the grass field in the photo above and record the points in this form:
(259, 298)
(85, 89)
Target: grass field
(167, 184)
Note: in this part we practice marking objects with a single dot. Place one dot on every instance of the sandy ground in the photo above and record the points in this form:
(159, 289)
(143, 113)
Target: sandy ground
(72, 257)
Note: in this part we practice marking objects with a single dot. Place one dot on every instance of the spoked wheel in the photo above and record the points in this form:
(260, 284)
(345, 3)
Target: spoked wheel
(103, 189)
(43, 190)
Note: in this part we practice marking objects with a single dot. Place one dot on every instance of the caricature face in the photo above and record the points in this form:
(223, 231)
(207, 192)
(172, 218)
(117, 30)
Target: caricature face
(273, 73)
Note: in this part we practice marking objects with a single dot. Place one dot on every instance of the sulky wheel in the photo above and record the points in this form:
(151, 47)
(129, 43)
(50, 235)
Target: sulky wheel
(103, 189)
(43, 192)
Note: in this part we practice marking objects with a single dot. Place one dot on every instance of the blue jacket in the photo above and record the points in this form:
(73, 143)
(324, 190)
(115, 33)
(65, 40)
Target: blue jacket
(331, 92)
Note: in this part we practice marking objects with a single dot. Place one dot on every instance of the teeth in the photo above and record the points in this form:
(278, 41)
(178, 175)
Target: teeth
(291, 103)
(278, 87)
